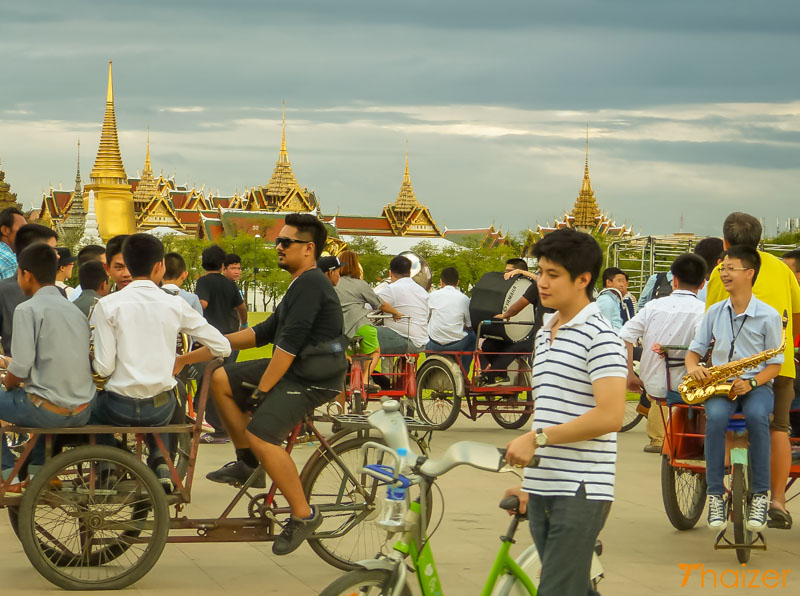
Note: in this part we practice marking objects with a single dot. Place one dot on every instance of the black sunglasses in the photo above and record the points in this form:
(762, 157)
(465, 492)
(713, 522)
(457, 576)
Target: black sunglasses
(287, 242)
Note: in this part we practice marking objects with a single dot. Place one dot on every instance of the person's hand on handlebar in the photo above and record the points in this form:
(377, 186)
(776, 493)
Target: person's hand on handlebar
(521, 495)
(519, 452)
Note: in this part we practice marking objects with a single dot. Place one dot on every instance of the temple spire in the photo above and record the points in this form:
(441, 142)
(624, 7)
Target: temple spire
(585, 210)
(108, 164)
(283, 179)
(78, 171)
(284, 155)
(406, 199)
(147, 187)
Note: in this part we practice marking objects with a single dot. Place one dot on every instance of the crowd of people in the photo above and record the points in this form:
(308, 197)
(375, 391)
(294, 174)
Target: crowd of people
(726, 301)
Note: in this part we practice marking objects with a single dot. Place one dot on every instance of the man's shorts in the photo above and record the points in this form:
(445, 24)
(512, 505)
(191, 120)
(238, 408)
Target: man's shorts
(783, 388)
(285, 405)
(369, 341)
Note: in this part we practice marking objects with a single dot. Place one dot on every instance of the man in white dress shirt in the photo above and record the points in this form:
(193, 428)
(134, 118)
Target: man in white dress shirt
(449, 325)
(406, 335)
(134, 345)
(671, 320)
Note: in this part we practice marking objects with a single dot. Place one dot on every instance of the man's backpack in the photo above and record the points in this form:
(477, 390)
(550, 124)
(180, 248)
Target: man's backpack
(663, 287)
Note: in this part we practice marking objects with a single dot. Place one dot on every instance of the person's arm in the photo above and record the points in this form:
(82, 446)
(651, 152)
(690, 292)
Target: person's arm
(521, 272)
(386, 307)
(240, 340)
(200, 330)
(105, 342)
(647, 291)
(23, 346)
(698, 348)
(278, 365)
(515, 308)
(241, 310)
(632, 332)
(634, 383)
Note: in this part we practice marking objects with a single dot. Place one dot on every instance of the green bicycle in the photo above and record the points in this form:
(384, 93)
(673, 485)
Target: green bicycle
(406, 523)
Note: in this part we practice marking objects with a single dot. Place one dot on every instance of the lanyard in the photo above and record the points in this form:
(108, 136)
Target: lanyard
(734, 336)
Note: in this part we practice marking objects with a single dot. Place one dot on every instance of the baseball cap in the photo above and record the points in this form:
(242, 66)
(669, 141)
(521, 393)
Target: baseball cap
(64, 256)
(327, 264)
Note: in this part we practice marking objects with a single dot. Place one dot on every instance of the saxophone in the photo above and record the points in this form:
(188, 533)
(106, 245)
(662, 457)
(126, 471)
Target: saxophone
(720, 382)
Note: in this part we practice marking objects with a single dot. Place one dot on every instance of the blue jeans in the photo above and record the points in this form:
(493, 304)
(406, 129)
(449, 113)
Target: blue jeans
(119, 410)
(757, 407)
(16, 408)
(466, 343)
(565, 530)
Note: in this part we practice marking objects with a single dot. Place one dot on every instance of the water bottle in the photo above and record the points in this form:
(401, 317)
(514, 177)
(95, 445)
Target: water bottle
(394, 509)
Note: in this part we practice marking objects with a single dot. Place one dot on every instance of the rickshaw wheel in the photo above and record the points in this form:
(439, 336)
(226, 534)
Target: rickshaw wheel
(683, 492)
(94, 518)
(739, 493)
(437, 400)
(515, 419)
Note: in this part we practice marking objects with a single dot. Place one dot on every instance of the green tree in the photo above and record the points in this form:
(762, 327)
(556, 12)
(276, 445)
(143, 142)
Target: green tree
(372, 257)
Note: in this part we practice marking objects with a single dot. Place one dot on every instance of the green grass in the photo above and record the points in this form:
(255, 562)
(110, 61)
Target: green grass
(253, 318)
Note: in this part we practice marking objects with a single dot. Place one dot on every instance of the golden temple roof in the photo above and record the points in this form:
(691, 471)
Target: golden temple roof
(108, 164)
(7, 198)
(147, 187)
(283, 179)
(406, 199)
(586, 210)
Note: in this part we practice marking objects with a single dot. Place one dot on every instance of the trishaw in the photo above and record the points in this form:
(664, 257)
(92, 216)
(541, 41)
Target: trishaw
(683, 467)
(95, 516)
(442, 382)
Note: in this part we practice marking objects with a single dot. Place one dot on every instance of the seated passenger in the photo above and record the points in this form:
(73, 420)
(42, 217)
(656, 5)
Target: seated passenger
(94, 285)
(134, 345)
(740, 327)
(449, 327)
(407, 296)
(610, 300)
(51, 357)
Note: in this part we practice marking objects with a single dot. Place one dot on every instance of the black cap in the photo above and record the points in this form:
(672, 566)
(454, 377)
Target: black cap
(327, 264)
(64, 256)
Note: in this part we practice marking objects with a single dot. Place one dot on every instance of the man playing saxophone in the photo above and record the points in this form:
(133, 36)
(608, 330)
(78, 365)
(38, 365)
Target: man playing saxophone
(740, 327)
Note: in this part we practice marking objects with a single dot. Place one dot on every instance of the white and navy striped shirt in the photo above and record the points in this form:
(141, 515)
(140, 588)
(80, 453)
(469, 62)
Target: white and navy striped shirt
(585, 349)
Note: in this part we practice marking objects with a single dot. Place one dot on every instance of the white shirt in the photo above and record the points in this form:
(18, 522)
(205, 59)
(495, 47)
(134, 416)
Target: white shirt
(134, 338)
(69, 290)
(584, 350)
(671, 320)
(409, 298)
(449, 315)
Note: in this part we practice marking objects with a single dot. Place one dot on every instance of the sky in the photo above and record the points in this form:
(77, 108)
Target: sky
(693, 108)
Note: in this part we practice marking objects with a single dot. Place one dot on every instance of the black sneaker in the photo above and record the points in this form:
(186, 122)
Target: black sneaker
(236, 473)
(294, 532)
(164, 477)
(497, 381)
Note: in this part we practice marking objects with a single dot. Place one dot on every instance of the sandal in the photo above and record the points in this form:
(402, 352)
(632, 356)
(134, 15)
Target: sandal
(779, 519)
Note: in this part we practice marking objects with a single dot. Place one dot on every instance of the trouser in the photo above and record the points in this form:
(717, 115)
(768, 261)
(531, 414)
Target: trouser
(120, 410)
(565, 530)
(17, 408)
(392, 342)
(757, 407)
(505, 354)
(655, 420)
(465, 344)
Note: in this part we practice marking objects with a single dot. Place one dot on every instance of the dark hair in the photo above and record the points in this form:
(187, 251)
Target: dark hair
(41, 261)
(114, 247)
(141, 252)
(311, 226)
(576, 251)
(400, 266)
(90, 252)
(7, 216)
(742, 228)
(710, 250)
(232, 258)
(175, 265)
(32, 233)
(793, 255)
(609, 273)
(690, 269)
(517, 263)
(92, 275)
(748, 256)
(350, 266)
(212, 258)
(449, 276)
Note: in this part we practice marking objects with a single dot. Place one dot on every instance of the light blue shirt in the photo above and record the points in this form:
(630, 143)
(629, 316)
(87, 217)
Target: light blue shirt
(75, 293)
(649, 287)
(609, 305)
(8, 261)
(703, 292)
(757, 329)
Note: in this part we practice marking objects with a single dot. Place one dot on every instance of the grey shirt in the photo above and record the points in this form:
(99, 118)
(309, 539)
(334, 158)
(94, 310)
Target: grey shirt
(354, 294)
(86, 300)
(51, 349)
(10, 297)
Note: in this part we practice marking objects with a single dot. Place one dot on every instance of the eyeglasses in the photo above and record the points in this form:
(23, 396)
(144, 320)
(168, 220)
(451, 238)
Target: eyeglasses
(287, 242)
(729, 269)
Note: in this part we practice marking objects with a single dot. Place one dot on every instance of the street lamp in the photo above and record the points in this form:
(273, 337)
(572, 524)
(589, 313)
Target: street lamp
(255, 268)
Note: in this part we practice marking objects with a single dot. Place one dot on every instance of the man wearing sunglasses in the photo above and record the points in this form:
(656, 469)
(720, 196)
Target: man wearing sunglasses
(258, 422)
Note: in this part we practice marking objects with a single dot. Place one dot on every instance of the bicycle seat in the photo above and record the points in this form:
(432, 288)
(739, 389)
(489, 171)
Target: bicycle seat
(510, 503)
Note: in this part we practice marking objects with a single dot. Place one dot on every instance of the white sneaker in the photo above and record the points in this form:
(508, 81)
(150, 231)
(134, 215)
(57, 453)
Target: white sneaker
(757, 517)
(717, 515)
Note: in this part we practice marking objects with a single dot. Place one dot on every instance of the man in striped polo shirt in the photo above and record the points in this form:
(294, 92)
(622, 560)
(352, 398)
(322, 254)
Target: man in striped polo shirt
(579, 390)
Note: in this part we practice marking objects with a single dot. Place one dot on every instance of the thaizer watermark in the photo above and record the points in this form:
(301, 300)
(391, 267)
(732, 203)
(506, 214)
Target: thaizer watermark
(695, 574)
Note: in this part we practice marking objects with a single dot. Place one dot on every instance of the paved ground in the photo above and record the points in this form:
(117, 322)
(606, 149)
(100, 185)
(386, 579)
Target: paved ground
(642, 550)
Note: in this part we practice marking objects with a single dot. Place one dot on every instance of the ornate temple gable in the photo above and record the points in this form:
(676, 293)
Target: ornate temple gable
(146, 187)
(406, 216)
(484, 237)
(7, 198)
(159, 213)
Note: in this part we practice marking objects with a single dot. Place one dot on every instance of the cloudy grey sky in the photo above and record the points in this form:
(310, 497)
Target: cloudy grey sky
(693, 107)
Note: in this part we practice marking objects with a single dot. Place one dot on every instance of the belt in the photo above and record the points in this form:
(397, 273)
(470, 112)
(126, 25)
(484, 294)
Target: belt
(41, 402)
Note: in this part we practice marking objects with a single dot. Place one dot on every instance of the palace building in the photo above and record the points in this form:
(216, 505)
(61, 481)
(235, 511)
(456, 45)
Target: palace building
(7, 198)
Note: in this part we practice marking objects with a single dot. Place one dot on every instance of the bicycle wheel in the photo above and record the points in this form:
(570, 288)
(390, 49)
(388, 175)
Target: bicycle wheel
(683, 492)
(741, 534)
(437, 400)
(350, 504)
(372, 582)
(94, 518)
(632, 416)
(509, 414)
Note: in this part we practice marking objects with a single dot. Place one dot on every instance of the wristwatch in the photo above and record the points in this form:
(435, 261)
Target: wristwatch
(753, 382)
(540, 438)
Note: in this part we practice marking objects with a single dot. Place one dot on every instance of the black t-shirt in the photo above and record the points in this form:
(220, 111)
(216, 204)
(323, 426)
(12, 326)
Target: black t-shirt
(532, 296)
(309, 313)
(222, 296)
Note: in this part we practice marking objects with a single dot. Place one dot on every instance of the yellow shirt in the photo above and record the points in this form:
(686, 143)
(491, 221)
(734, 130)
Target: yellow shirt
(777, 286)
